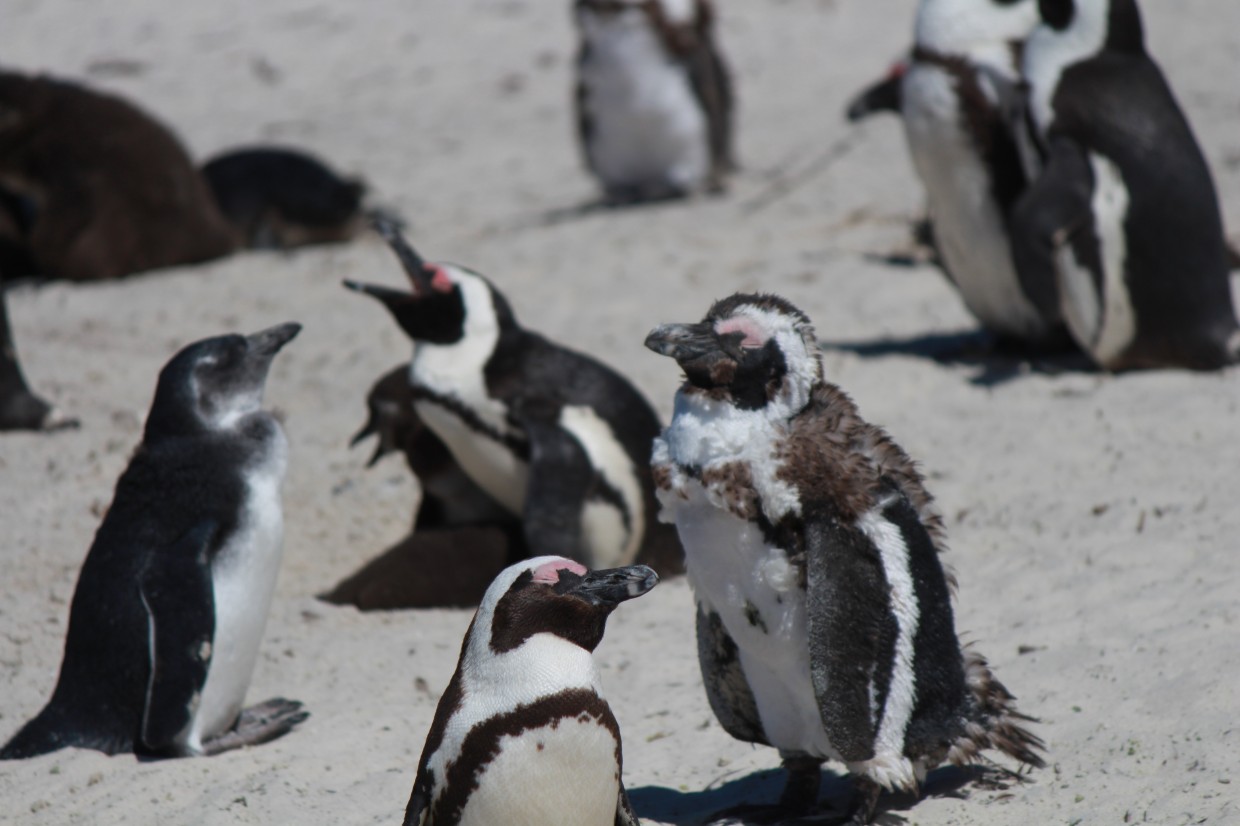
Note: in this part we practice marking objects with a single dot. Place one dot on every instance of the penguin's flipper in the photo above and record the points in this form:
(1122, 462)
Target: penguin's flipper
(852, 633)
(1054, 207)
(727, 690)
(180, 605)
(712, 85)
(625, 816)
(560, 478)
(420, 798)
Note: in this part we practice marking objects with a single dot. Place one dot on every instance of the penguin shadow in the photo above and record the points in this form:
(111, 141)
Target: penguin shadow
(703, 808)
(995, 361)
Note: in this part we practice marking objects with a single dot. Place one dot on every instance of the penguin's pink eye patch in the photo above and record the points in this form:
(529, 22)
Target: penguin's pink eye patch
(549, 572)
(755, 336)
(441, 282)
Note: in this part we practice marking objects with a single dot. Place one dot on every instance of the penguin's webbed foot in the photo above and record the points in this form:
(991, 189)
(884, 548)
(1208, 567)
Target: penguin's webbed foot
(258, 724)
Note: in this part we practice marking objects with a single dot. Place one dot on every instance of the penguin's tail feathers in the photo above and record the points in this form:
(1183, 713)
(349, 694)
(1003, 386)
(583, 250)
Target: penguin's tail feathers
(995, 723)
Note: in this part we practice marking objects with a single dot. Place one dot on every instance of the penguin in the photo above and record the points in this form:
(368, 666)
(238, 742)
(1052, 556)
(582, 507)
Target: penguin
(961, 102)
(170, 605)
(654, 98)
(522, 734)
(20, 407)
(461, 537)
(824, 616)
(101, 209)
(1120, 235)
(279, 198)
(553, 436)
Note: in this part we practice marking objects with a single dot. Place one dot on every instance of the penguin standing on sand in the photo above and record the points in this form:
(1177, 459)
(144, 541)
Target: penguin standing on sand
(654, 98)
(960, 99)
(20, 408)
(551, 435)
(1121, 234)
(170, 605)
(522, 734)
(824, 623)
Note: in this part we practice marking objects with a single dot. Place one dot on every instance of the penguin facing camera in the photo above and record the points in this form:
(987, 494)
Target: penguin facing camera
(1120, 236)
(172, 599)
(654, 98)
(960, 99)
(461, 537)
(554, 437)
(824, 615)
(522, 734)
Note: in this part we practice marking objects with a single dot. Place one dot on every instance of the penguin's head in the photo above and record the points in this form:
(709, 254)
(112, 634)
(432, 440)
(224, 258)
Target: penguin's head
(752, 351)
(435, 310)
(960, 27)
(1114, 23)
(599, 14)
(556, 596)
(216, 382)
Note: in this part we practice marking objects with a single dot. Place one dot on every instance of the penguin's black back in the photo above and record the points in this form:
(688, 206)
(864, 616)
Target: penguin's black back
(172, 486)
(1118, 104)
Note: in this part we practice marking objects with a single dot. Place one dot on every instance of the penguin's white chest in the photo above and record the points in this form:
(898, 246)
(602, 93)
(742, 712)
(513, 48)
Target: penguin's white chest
(755, 591)
(243, 576)
(563, 774)
(968, 223)
(489, 462)
(647, 126)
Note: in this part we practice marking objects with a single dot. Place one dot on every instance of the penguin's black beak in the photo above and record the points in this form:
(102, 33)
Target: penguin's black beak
(884, 96)
(419, 273)
(609, 587)
(266, 343)
(706, 357)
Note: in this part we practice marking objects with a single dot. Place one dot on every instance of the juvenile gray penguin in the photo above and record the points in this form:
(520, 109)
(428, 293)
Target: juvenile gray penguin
(522, 735)
(961, 101)
(553, 436)
(1121, 235)
(824, 623)
(654, 98)
(171, 602)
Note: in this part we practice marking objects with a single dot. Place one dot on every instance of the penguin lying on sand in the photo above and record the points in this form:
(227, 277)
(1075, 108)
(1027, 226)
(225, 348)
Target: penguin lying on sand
(553, 436)
(522, 735)
(461, 538)
(960, 99)
(1121, 234)
(824, 620)
(172, 599)
(654, 98)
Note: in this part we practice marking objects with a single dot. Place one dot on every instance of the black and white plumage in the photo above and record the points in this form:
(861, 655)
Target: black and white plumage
(522, 735)
(1121, 234)
(553, 436)
(172, 599)
(825, 624)
(961, 101)
(654, 98)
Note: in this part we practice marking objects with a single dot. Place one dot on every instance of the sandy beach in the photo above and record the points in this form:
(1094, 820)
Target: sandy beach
(1091, 518)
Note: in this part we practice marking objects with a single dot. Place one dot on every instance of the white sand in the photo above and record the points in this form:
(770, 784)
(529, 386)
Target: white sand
(1091, 518)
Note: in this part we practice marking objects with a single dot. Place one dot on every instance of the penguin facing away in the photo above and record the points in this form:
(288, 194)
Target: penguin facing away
(654, 98)
(825, 624)
(553, 436)
(461, 537)
(962, 106)
(171, 602)
(1121, 234)
(522, 734)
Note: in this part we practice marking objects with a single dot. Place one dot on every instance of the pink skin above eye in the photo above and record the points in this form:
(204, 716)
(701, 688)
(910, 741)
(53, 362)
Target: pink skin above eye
(440, 281)
(754, 337)
(549, 572)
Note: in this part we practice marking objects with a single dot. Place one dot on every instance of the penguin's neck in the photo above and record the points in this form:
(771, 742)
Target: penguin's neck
(543, 664)
(1048, 53)
(457, 369)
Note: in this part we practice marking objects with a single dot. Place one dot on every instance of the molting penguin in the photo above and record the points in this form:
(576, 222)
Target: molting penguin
(97, 209)
(1121, 234)
(522, 735)
(553, 436)
(172, 599)
(962, 105)
(461, 538)
(654, 98)
(824, 623)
